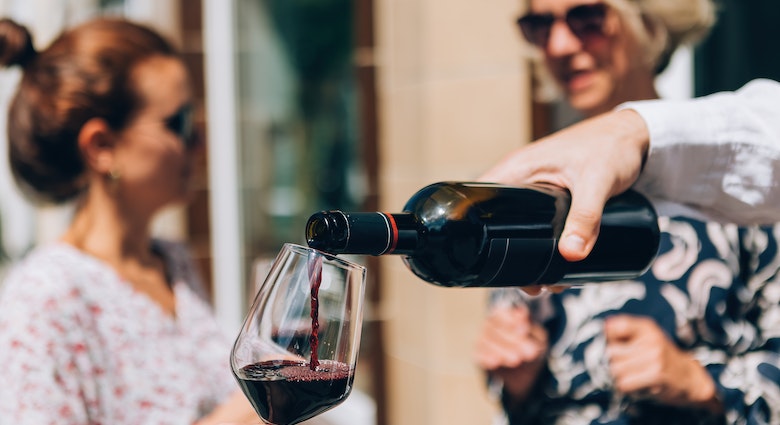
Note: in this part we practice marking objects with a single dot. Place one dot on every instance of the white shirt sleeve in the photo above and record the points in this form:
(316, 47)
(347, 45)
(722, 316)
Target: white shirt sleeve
(718, 154)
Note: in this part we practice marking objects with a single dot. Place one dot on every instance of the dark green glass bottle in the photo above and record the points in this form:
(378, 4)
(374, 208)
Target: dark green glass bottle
(490, 235)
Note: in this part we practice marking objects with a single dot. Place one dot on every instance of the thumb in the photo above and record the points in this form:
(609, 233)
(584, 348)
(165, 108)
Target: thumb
(582, 223)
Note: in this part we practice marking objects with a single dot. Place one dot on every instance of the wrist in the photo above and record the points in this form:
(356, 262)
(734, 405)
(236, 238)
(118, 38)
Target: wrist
(635, 132)
(523, 401)
(518, 385)
(704, 392)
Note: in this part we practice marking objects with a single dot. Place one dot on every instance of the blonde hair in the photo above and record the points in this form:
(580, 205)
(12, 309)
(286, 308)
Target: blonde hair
(662, 26)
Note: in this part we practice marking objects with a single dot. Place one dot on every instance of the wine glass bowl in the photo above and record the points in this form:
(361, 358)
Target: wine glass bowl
(296, 353)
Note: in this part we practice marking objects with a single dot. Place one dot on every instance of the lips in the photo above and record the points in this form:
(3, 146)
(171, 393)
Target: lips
(578, 80)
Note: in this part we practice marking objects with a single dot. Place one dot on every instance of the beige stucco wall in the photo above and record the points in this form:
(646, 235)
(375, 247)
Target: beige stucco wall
(453, 96)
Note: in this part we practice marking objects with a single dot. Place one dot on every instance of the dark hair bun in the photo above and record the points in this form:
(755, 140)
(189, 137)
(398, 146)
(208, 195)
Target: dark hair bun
(16, 46)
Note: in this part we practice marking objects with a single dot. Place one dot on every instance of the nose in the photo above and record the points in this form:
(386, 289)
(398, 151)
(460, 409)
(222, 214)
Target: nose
(562, 41)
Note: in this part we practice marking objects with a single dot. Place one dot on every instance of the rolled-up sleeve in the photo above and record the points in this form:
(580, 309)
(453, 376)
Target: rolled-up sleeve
(719, 154)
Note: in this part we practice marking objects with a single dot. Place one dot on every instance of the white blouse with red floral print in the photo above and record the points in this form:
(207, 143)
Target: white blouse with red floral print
(78, 345)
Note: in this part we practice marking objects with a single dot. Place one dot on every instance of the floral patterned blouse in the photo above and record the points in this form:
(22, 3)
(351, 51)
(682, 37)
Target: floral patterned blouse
(79, 346)
(713, 289)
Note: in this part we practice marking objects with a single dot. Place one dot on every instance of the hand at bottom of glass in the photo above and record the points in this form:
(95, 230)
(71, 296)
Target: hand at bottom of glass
(296, 354)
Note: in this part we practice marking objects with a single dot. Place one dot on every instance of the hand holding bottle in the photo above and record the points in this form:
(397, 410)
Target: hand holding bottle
(512, 348)
(595, 159)
(645, 363)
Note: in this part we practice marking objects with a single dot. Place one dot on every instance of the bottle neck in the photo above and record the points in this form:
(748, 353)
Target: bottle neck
(405, 233)
(367, 233)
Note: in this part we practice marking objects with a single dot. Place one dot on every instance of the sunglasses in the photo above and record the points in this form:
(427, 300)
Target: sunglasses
(585, 20)
(181, 124)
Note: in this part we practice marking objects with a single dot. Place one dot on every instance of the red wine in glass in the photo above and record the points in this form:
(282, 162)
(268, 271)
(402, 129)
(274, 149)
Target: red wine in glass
(296, 353)
(288, 392)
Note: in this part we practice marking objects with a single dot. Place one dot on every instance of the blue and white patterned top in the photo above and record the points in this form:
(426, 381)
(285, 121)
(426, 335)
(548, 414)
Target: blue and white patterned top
(713, 289)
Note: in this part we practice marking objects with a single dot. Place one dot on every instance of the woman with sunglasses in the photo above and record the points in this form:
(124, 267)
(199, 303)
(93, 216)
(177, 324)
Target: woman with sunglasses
(107, 324)
(601, 54)
(688, 342)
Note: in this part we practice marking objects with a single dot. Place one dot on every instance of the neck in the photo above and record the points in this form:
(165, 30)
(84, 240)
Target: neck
(642, 88)
(105, 228)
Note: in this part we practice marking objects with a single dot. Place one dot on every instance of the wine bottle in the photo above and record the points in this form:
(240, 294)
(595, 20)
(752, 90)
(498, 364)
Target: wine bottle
(461, 234)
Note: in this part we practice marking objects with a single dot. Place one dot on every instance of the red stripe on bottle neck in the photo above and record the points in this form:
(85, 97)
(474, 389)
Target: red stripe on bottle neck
(393, 234)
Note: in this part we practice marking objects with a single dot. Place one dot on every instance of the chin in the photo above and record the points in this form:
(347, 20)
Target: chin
(588, 104)
(594, 97)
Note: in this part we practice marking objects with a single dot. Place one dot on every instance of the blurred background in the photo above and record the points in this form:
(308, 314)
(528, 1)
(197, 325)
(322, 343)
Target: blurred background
(355, 104)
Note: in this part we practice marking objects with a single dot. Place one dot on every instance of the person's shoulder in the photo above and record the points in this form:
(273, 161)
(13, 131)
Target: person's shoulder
(48, 269)
(46, 286)
(47, 297)
(761, 84)
(761, 91)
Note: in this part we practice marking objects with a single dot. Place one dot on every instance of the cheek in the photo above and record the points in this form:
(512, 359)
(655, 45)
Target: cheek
(172, 165)
(159, 165)
(605, 52)
(612, 64)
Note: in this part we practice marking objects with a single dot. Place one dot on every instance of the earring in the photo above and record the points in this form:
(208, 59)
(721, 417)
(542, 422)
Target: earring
(112, 180)
(114, 176)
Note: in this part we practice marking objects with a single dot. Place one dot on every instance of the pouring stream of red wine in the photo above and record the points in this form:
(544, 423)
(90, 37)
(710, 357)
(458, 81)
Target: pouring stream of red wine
(315, 279)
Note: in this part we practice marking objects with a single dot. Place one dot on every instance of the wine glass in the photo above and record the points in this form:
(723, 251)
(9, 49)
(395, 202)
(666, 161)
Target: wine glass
(296, 353)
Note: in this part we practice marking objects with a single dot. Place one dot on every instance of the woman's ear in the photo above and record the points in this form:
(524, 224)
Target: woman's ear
(97, 143)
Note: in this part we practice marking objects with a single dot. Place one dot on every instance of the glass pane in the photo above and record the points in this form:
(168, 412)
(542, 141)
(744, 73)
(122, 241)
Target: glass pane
(298, 122)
